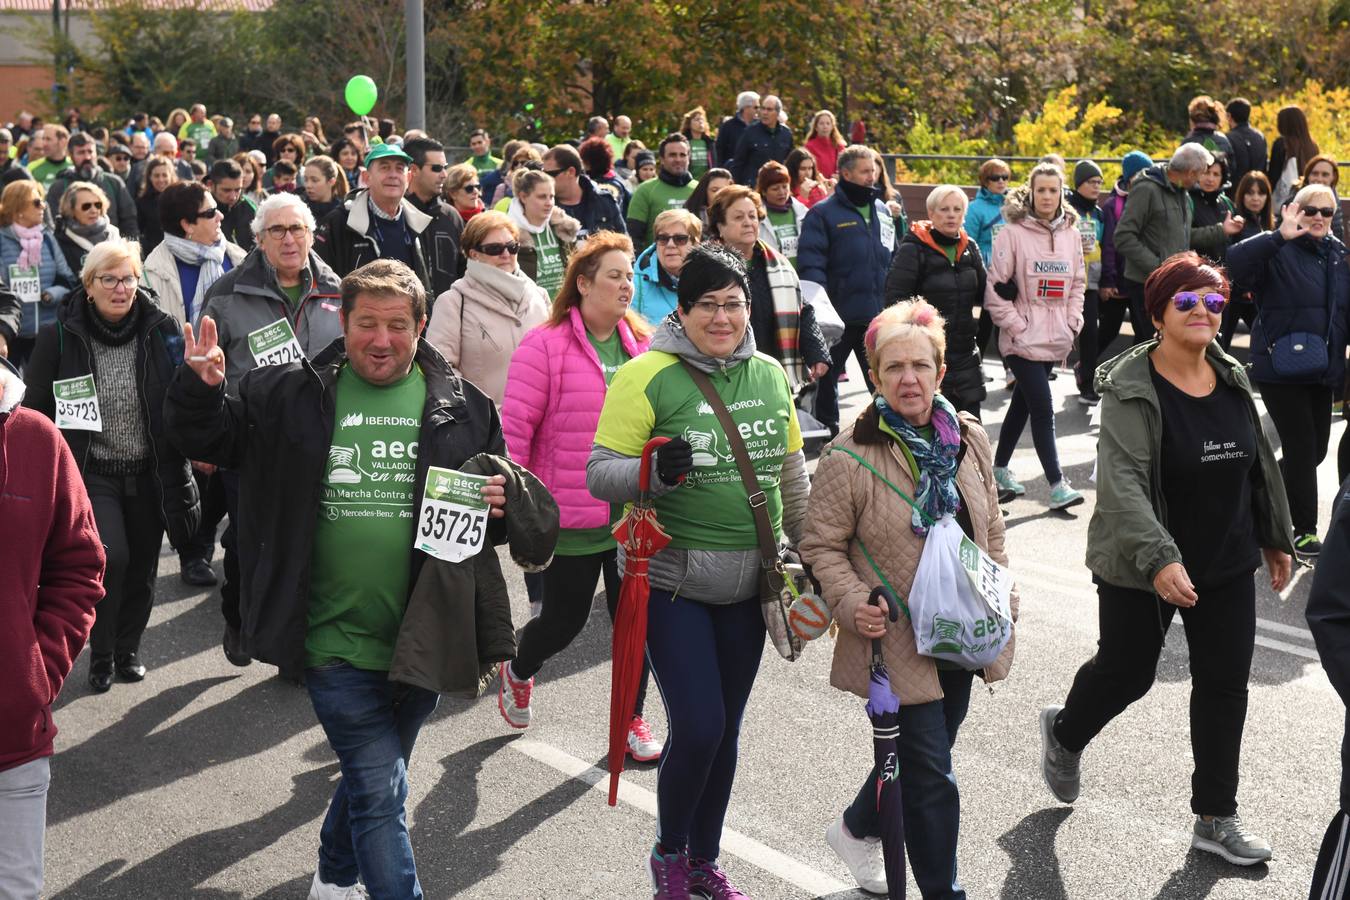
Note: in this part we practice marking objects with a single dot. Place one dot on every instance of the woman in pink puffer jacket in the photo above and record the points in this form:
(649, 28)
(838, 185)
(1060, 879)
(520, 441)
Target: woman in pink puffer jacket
(555, 387)
(1035, 297)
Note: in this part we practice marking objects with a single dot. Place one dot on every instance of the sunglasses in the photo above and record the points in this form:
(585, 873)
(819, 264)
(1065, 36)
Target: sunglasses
(679, 240)
(437, 167)
(471, 188)
(1000, 177)
(1325, 212)
(496, 248)
(1185, 301)
(38, 203)
(554, 173)
(91, 204)
(208, 214)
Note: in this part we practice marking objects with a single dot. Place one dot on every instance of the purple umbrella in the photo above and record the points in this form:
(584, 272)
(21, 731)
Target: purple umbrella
(883, 708)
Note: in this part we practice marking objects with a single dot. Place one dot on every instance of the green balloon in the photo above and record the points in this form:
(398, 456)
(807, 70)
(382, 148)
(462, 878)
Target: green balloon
(361, 94)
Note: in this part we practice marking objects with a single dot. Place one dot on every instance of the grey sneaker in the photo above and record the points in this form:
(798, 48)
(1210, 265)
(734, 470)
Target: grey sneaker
(1061, 768)
(1229, 838)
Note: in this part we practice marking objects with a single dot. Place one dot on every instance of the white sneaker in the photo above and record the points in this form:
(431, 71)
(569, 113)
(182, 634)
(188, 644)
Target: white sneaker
(322, 890)
(642, 746)
(862, 856)
(515, 709)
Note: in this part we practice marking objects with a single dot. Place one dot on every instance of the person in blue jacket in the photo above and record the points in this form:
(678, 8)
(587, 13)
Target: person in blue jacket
(984, 217)
(656, 275)
(1302, 285)
(846, 246)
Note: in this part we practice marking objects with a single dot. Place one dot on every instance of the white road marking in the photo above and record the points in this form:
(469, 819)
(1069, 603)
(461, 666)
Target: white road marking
(757, 854)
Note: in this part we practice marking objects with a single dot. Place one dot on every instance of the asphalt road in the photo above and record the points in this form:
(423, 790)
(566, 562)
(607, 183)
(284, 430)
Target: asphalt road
(207, 781)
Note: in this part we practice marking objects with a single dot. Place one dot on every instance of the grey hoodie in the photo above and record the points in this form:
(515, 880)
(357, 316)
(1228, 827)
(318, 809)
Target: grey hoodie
(708, 576)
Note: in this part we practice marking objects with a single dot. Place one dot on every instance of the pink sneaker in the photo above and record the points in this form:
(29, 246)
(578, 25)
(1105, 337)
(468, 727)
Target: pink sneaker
(516, 710)
(670, 874)
(641, 745)
(710, 882)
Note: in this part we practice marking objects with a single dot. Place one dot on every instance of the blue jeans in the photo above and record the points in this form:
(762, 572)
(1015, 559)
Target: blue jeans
(704, 658)
(928, 794)
(371, 724)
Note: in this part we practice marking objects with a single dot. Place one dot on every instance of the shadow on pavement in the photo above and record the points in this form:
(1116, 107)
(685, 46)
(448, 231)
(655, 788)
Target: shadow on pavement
(1201, 872)
(174, 871)
(451, 859)
(1030, 846)
(126, 758)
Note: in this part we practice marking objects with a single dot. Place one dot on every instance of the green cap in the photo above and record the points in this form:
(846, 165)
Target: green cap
(386, 151)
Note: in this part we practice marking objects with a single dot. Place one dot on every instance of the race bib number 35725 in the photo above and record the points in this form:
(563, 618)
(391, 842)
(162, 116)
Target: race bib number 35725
(452, 520)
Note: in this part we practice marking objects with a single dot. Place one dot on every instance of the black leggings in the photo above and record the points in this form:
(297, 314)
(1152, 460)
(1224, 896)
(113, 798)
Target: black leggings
(1140, 322)
(569, 588)
(1302, 417)
(1221, 634)
(126, 511)
(1087, 338)
(1110, 316)
(1031, 398)
(1235, 310)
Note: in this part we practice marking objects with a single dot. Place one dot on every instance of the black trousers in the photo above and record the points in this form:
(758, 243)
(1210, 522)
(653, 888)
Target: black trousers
(568, 589)
(203, 544)
(1140, 322)
(1244, 310)
(229, 542)
(1221, 633)
(127, 513)
(1088, 338)
(1302, 417)
(1110, 316)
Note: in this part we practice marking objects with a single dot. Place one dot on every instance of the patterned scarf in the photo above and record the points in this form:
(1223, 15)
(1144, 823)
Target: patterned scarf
(936, 460)
(210, 258)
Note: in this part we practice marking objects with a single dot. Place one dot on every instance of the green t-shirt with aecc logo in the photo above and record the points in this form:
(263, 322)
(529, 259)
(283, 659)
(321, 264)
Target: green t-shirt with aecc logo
(363, 538)
(698, 158)
(549, 268)
(654, 396)
(585, 541)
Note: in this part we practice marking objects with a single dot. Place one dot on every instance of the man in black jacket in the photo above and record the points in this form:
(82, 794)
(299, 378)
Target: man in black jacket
(1329, 620)
(226, 183)
(440, 239)
(1249, 144)
(767, 139)
(596, 210)
(84, 166)
(732, 127)
(377, 223)
(331, 570)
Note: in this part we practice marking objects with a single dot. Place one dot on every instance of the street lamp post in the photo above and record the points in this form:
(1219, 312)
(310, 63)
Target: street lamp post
(417, 64)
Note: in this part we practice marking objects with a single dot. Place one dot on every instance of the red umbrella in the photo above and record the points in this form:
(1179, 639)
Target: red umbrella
(641, 536)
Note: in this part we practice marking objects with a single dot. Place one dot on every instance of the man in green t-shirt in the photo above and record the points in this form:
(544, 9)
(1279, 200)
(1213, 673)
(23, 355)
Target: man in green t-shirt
(198, 128)
(480, 145)
(45, 169)
(330, 455)
(671, 187)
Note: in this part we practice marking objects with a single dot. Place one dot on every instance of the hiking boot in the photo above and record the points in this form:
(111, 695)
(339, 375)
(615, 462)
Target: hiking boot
(233, 645)
(197, 572)
(642, 746)
(670, 874)
(515, 709)
(1062, 769)
(710, 882)
(1307, 546)
(1063, 496)
(862, 856)
(1008, 487)
(1229, 838)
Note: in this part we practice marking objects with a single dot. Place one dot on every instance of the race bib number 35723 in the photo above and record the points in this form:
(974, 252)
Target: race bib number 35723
(452, 520)
(77, 404)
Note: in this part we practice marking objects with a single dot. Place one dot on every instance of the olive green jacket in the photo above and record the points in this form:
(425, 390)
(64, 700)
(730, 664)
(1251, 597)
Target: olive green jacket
(1128, 542)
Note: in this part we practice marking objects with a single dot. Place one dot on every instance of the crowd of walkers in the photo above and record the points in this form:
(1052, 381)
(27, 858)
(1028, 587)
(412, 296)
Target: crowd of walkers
(328, 344)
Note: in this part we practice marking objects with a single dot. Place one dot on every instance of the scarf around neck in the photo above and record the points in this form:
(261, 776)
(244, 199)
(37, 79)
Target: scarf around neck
(936, 494)
(210, 260)
(30, 244)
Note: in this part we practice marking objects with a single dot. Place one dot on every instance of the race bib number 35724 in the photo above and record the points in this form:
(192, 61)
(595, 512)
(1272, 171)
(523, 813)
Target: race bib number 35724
(452, 520)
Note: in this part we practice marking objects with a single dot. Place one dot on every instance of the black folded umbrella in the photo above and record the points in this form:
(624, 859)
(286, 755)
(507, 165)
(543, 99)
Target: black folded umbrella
(883, 707)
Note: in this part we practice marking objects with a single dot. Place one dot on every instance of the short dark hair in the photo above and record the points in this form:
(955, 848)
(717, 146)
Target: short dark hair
(1185, 271)
(673, 138)
(596, 155)
(285, 167)
(566, 157)
(418, 148)
(180, 200)
(1240, 109)
(224, 168)
(479, 132)
(386, 128)
(79, 139)
(710, 267)
(385, 278)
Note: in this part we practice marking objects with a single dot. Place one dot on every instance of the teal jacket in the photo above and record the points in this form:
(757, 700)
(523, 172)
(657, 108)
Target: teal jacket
(983, 214)
(1128, 542)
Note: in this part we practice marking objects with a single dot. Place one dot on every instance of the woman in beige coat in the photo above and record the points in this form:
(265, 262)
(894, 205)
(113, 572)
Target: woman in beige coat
(913, 438)
(479, 322)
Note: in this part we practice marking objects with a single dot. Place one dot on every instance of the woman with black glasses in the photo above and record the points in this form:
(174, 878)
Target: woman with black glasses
(1189, 503)
(1301, 284)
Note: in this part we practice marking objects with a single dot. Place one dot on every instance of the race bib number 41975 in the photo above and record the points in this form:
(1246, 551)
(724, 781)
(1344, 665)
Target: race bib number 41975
(452, 520)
